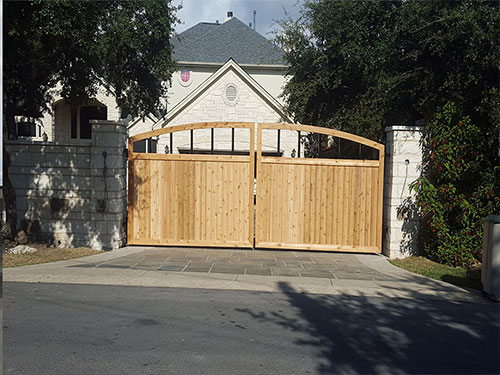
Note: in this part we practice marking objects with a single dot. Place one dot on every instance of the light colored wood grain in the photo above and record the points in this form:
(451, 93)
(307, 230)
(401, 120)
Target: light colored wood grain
(198, 125)
(380, 185)
(303, 161)
(192, 200)
(208, 200)
(318, 247)
(348, 214)
(362, 207)
(307, 192)
(374, 208)
(155, 199)
(188, 157)
(368, 200)
(327, 203)
(197, 201)
(321, 206)
(322, 130)
(351, 201)
(174, 187)
(177, 242)
(334, 211)
(251, 186)
(353, 204)
(167, 188)
(145, 228)
(132, 193)
(342, 202)
(212, 203)
(203, 202)
(219, 199)
(317, 203)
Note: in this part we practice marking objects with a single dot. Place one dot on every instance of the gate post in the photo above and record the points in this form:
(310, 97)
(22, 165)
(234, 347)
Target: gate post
(403, 166)
(108, 178)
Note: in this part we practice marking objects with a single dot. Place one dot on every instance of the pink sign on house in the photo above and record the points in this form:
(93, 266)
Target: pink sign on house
(185, 75)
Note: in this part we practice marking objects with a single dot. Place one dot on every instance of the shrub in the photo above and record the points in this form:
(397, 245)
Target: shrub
(459, 186)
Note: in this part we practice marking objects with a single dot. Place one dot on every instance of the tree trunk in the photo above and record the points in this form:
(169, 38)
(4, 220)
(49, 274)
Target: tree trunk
(9, 193)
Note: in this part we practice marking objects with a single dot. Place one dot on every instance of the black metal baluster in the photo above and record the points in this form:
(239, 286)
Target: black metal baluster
(319, 144)
(232, 140)
(279, 135)
(298, 153)
(192, 140)
(212, 140)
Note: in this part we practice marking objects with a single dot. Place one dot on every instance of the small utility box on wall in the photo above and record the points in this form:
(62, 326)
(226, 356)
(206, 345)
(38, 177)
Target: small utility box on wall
(490, 274)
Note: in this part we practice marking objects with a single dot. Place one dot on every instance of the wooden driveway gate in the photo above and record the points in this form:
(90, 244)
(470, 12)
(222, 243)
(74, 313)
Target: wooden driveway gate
(196, 200)
(299, 203)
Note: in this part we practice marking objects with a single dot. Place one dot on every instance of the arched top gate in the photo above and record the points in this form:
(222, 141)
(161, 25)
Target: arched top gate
(327, 201)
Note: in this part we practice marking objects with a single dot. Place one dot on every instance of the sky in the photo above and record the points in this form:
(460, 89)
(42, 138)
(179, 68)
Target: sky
(268, 11)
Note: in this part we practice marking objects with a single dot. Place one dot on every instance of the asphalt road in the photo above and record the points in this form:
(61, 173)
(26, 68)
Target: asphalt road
(58, 329)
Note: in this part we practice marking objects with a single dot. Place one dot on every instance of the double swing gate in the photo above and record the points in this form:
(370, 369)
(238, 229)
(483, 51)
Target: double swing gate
(254, 200)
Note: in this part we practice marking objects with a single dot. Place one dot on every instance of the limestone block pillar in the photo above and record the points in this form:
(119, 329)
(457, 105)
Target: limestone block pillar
(109, 189)
(403, 166)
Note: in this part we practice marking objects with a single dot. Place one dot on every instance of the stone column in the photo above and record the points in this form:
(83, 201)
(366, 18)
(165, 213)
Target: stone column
(109, 190)
(403, 166)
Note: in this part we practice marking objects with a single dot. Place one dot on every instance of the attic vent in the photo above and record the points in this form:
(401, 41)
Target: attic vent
(231, 93)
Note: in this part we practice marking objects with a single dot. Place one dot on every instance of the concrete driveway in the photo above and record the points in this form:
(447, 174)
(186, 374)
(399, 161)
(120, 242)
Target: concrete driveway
(252, 270)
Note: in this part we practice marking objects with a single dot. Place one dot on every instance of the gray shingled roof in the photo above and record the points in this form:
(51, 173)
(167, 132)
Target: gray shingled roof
(217, 43)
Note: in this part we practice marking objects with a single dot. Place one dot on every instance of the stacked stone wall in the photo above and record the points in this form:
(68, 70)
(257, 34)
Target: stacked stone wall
(72, 193)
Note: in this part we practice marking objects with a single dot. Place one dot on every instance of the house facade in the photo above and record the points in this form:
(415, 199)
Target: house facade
(226, 72)
(61, 125)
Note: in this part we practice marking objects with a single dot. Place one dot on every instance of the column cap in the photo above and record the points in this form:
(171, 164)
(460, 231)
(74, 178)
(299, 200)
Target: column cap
(393, 128)
(107, 122)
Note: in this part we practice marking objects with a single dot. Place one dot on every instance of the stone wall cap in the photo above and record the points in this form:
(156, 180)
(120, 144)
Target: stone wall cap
(107, 122)
(404, 128)
(75, 142)
(492, 219)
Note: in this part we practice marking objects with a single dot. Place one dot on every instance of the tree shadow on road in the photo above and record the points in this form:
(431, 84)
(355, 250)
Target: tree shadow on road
(375, 335)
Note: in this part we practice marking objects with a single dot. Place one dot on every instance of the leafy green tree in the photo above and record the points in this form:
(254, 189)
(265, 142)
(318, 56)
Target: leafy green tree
(124, 46)
(362, 65)
(338, 54)
(459, 187)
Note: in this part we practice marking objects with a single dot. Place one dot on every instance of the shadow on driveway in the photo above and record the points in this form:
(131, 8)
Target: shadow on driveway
(374, 335)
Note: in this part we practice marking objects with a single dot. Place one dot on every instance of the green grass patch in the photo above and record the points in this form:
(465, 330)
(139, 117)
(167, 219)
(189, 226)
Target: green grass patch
(469, 278)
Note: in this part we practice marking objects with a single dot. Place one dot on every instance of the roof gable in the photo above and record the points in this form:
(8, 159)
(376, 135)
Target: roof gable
(217, 43)
(201, 90)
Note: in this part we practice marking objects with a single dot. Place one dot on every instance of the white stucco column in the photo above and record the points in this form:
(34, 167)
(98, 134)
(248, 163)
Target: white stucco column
(403, 166)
